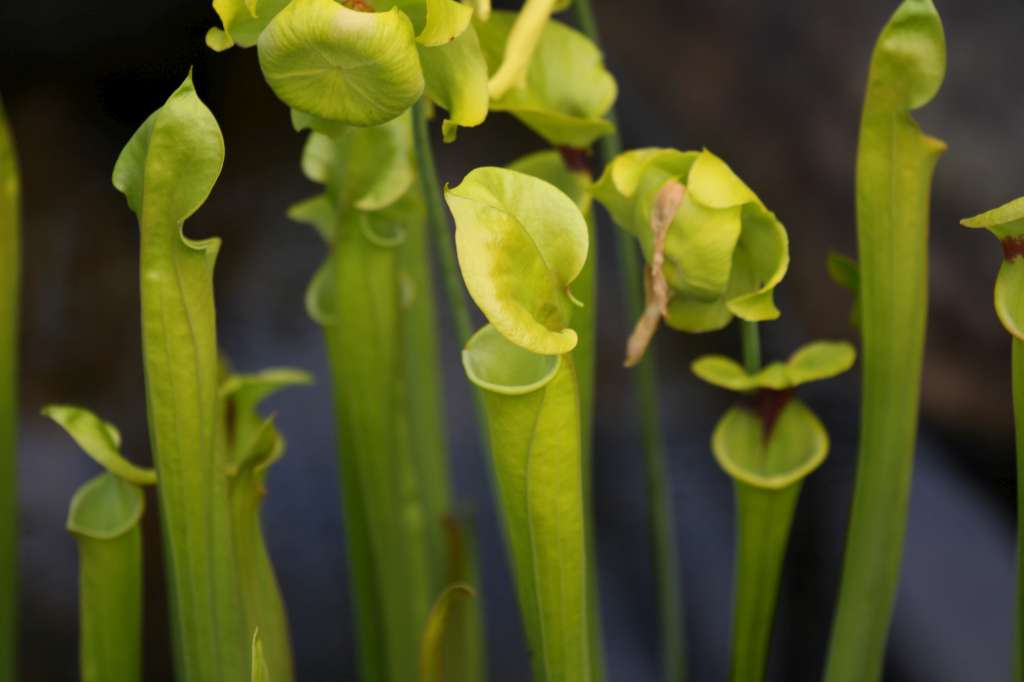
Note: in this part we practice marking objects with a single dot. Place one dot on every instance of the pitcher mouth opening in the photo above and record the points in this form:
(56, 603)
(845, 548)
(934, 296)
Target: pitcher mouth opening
(495, 364)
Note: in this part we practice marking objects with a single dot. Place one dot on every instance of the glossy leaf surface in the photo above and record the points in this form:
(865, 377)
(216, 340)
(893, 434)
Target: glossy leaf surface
(456, 79)
(242, 22)
(774, 455)
(355, 68)
(764, 518)
(373, 297)
(520, 242)
(260, 671)
(1006, 223)
(100, 440)
(252, 444)
(532, 407)
(564, 90)
(432, 662)
(895, 162)
(551, 167)
(723, 252)
(813, 362)
(104, 518)
(166, 171)
(843, 271)
(522, 37)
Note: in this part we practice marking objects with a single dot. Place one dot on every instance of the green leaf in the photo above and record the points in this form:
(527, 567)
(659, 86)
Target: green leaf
(843, 271)
(243, 21)
(1006, 222)
(421, 368)
(763, 521)
(562, 91)
(481, 8)
(104, 518)
(432, 668)
(771, 456)
(1007, 216)
(1009, 304)
(100, 440)
(166, 171)
(255, 442)
(492, 364)
(303, 120)
(820, 360)
(436, 22)
(318, 212)
(10, 283)
(813, 362)
(724, 252)
(260, 671)
(319, 299)
(549, 166)
(367, 169)
(446, 21)
(895, 163)
(105, 508)
(532, 407)
(251, 444)
(521, 38)
(520, 242)
(456, 79)
(390, 538)
(355, 68)
(463, 646)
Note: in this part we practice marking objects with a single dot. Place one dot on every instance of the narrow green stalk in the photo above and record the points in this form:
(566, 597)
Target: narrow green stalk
(440, 227)
(374, 299)
(424, 392)
(104, 518)
(10, 277)
(763, 519)
(519, 260)
(472, 661)
(768, 443)
(251, 444)
(666, 552)
(552, 167)
(366, 359)
(1006, 223)
(1018, 418)
(750, 338)
(166, 171)
(895, 162)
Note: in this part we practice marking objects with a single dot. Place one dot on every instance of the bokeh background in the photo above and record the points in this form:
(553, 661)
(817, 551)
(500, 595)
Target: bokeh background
(774, 88)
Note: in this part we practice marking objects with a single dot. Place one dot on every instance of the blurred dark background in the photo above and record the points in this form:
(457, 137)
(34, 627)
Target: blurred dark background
(774, 88)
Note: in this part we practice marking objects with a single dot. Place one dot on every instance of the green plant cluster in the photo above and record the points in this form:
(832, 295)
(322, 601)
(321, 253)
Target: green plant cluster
(361, 79)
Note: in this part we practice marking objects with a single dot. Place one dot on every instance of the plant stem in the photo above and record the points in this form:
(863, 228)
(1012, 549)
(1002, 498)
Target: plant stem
(473, 660)
(763, 521)
(751, 341)
(10, 260)
(1018, 418)
(895, 164)
(441, 228)
(666, 554)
